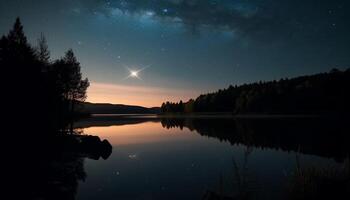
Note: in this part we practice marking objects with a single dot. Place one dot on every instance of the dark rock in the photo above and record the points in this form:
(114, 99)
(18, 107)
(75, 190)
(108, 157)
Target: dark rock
(106, 149)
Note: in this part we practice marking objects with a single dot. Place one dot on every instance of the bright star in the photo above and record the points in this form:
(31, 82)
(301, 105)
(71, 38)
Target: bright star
(134, 73)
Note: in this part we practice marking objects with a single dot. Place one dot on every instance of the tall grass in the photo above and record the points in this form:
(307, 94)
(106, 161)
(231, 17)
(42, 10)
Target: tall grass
(320, 183)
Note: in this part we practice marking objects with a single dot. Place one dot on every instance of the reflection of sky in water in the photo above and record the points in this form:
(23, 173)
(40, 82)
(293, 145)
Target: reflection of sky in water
(150, 162)
(149, 132)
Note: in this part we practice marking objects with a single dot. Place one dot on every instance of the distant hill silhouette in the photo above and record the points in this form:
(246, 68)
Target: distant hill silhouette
(324, 93)
(106, 108)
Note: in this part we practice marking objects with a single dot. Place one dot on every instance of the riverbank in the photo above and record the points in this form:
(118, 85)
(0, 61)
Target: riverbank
(231, 115)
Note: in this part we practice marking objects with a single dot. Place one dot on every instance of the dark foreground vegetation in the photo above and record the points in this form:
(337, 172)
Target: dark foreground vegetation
(320, 183)
(325, 93)
(44, 155)
(45, 91)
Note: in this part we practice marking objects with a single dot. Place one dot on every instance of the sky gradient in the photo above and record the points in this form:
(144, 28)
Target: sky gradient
(188, 46)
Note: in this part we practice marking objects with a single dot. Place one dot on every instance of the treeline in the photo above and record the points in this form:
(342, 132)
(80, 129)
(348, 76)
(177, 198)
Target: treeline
(323, 93)
(39, 91)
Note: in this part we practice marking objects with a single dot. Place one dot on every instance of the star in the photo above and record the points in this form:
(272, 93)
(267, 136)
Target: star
(134, 73)
(150, 13)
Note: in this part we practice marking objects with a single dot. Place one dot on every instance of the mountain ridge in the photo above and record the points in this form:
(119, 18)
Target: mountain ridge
(109, 108)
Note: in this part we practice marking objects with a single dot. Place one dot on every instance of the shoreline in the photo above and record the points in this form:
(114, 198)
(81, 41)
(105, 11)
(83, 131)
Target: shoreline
(213, 115)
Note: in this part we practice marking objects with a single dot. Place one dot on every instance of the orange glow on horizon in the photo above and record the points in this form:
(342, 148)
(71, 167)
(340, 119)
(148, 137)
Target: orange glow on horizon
(135, 95)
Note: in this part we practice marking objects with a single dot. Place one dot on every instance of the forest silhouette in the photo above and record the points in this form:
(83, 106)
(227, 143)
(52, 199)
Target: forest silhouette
(40, 97)
(44, 89)
(324, 93)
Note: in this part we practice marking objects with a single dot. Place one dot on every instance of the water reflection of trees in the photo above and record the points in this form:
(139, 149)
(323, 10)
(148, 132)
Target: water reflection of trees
(57, 177)
(322, 137)
(52, 169)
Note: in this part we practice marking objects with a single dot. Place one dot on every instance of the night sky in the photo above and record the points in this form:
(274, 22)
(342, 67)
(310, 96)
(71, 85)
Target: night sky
(186, 47)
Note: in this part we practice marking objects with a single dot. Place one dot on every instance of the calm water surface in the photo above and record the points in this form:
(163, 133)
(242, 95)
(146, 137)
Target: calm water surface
(161, 159)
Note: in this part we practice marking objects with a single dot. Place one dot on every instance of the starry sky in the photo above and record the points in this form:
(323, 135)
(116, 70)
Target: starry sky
(186, 47)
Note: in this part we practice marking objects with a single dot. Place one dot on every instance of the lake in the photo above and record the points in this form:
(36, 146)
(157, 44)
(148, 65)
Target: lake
(200, 158)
